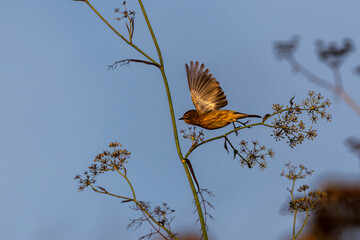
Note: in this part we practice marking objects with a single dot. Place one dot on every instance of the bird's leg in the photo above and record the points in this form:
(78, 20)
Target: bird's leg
(235, 127)
(244, 124)
(236, 132)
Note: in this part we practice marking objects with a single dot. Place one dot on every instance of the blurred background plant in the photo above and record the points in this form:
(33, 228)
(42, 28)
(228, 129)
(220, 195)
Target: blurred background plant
(337, 216)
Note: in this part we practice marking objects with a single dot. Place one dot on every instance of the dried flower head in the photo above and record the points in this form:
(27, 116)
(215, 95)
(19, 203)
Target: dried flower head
(129, 15)
(254, 155)
(195, 137)
(288, 125)
(308, 201)
(106, 161)
(293, 173)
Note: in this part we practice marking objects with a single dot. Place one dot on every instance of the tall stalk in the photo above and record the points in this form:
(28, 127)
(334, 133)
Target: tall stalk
(173, 120)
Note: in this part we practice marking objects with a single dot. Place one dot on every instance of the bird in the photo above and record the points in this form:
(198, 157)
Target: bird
(208, 98)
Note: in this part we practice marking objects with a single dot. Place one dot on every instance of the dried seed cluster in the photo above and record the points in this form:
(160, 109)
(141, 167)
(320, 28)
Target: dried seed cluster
(288, 126)
(104, 162)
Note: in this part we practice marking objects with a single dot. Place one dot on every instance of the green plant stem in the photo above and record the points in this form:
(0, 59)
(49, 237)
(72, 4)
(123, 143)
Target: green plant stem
(294, 225)
(307, 216)
(173, 120)
(293, 200)
(186, 168)
(121, 36)
(129, 183)
(305, 221)
(152, 33)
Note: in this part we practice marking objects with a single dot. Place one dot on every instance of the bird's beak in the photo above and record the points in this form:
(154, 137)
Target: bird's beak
(181, 118)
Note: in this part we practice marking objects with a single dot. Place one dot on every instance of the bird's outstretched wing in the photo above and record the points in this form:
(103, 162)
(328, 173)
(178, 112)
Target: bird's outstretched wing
(206, 92)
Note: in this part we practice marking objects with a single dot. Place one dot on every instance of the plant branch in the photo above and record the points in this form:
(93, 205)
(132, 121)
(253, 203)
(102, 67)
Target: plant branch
(110, 194)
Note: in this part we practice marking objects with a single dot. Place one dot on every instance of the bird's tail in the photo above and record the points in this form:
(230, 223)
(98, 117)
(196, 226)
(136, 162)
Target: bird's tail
(244, 115)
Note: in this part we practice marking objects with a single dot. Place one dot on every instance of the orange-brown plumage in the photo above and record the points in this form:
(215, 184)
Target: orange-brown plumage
(208, 98)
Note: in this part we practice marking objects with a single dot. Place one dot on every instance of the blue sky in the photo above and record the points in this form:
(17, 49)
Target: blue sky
(60, 107)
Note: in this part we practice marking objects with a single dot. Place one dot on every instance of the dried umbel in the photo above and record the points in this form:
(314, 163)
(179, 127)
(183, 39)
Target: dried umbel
(307, 201)
(104, 162)
(255, 155)
(287, 124)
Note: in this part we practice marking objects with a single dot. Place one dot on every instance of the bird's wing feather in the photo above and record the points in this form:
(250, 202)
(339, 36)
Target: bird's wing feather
(206, 92)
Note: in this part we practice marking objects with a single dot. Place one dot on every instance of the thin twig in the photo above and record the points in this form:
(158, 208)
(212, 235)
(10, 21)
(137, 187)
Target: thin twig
(127, 62)
(236, 151)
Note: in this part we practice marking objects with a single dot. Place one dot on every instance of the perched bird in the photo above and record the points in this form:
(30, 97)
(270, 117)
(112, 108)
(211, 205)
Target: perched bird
(208, 98)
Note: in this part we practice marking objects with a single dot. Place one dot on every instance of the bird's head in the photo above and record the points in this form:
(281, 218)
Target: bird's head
(190, 116)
